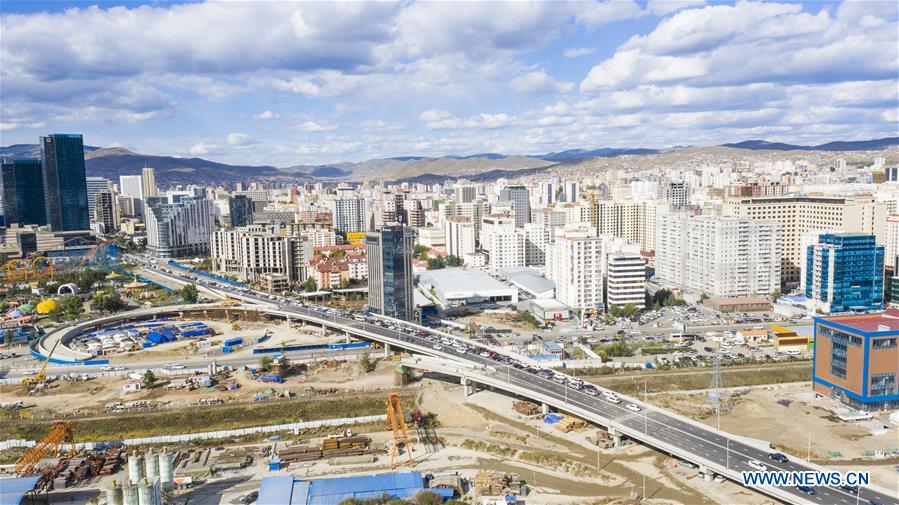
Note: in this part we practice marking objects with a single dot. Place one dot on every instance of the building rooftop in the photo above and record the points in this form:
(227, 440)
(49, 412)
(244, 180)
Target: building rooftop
(454, 280)
(887, 320)
(288, 490)
(528, 279)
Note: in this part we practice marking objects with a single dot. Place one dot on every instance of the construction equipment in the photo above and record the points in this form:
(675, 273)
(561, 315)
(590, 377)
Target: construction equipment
(60, 435)
(40, 377)
(397, 424)
(230, 301)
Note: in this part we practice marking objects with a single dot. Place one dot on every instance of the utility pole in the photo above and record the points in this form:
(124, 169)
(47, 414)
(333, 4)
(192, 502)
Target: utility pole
(645, 413)
(808, 456)
(727, 455)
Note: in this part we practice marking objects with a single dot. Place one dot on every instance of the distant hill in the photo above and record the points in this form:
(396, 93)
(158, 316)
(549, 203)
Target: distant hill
(111, 163)
(839, 145)
(604, 152)
(19, 151)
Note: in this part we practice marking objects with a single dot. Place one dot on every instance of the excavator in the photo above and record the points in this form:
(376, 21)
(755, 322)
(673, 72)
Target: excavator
(40, 377)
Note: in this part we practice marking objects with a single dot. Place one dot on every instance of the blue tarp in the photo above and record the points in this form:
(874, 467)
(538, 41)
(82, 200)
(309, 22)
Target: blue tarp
(286, 490)
(13, 490)
(552, 418)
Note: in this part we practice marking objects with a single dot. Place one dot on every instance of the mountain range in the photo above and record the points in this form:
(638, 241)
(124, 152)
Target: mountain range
(115, 161)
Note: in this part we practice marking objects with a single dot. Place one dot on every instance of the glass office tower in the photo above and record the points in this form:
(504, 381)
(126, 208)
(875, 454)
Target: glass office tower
(23, 193)
(390, 272)
(844, 271)
(65, 182)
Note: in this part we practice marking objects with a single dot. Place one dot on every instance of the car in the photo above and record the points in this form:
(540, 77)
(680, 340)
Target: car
(29, 373)
(177, 366)
(632, 407)
(758, 465)
(613, 399)
(108, 368)
(250, 498)
(779, 457)
(591, 392)
(717, 478)
(806, 489)
(851, 489)
(437, 347)
(875, 501)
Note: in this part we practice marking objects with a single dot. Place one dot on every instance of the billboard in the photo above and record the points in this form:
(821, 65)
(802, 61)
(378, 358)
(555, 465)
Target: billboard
(355, 238)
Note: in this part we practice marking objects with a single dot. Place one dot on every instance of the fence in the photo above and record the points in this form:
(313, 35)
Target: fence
(208, 435)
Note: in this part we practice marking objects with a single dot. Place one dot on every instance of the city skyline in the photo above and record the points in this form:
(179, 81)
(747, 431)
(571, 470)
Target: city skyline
(302, 84)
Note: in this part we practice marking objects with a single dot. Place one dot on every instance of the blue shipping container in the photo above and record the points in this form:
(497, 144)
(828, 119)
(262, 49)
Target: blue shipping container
(234, 341)
(226, 348)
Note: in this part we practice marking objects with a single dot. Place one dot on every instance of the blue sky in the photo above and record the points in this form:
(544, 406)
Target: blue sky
(287, 83)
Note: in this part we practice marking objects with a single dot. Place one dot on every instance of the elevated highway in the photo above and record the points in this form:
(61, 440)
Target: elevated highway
(715, 451)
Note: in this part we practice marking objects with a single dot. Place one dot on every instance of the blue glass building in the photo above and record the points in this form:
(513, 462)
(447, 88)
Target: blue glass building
(844, 271)
(240, 208)
(65, 182)
(389, 254)
(23, 192)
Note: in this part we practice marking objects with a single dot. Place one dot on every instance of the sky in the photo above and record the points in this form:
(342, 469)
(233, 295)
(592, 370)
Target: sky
(287, 83)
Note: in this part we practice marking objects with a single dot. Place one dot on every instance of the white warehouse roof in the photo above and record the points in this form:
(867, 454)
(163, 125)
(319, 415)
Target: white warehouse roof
(460, 286)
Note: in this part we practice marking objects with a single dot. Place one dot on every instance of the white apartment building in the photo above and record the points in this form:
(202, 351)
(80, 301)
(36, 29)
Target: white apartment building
(180, 229)
(506, 248)
(319, 237)
(132, 185)
(891, 242)
(575, 263)
(490, 225)
(431, 237)
(460, 236)
(537, 239)
(148, 180)
(255, 251)
(719, 256)
(799, 215)
(548, 217)
(348, 215)
(465, 193)
(625, 276)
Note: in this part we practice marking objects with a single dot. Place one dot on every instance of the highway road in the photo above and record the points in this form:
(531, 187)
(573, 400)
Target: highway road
(650, 425)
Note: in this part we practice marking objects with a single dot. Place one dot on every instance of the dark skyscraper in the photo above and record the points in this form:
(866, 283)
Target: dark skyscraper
(241, 209)
(390, 272)
(65, 182)
(23, 193)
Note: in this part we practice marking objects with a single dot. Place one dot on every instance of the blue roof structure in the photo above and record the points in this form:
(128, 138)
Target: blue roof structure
(13, 490)
(286, 490)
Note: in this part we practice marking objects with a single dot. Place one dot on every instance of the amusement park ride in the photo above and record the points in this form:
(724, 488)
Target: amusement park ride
(73, 255)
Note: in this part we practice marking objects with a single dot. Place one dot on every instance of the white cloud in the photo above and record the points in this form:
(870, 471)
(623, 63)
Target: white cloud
(204, 148)
(577, 52)
(239, 139)
(538, 82)
(266, 116)
(315, 126)
(665, 7)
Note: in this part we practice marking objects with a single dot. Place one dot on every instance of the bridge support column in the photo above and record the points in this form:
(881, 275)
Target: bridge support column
(322, 331)
(467, 386)
(386, 348)
(346, 336)
(545, 409)
(616, 437)
(705, 471)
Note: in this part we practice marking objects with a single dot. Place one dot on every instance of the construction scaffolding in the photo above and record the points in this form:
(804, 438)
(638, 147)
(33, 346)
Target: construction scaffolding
(59, 436)
(397, 424)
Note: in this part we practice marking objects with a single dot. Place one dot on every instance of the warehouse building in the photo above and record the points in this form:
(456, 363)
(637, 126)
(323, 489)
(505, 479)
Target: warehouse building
(289, 490)
(457, 287)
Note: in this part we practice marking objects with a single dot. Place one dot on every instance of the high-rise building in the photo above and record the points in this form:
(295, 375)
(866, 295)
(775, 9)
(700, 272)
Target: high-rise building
(798, 216)
(132, 185)
(460, 236)
(507, 248)
(844, 271)
(521, 203)
(537, 240)
(415, 214)
(95, 185)
(719, 256)
(465, 193)
(625, 276)
(148, 180)
(677, 194)
(348, 215)
(180, 229)
(23, 193)
(106, 211)
(240, 211)
(65, 182)
(575, 263)
(389, 253)
(256, 251)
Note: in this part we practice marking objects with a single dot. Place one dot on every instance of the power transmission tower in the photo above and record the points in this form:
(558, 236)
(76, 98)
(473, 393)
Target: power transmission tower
(718, 398)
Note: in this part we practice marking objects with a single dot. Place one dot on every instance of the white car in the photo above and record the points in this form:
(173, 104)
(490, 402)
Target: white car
(177, 367)
(120, 368)
(108, 368)
(437, 347)
(613, 399)
(632, 407)
(29, 373)
(758, 465)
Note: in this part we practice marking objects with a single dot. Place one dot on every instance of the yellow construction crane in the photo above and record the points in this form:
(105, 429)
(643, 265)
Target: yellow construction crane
(40, 377)
(60, 435)
(397, 424)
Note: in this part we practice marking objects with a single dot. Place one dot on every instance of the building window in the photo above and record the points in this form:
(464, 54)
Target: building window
(883, 384)
(839, 342)
(883, 343)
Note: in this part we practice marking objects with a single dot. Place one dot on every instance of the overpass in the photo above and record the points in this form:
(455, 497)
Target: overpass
(713, 450)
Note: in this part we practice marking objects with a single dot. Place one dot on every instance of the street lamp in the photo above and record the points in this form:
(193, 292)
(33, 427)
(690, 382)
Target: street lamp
(727, 456)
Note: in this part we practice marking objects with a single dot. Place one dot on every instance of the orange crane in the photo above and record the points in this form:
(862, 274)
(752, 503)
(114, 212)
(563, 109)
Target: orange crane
(397, 424)
(60, 435)
(40, 377)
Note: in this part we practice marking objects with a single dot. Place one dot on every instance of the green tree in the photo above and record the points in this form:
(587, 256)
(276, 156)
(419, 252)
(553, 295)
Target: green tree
(427, 498)
(108, 302)
(367, 364)
(189, 293)
(7, 336)
(149, 379)
(71, 305)
(310, 285)
(454, 261)
(703, 297)
(265, 364)
(436, 263)
(776, 294)
(418, 250)
(529, 318)
(337, 253)
(344, 283)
